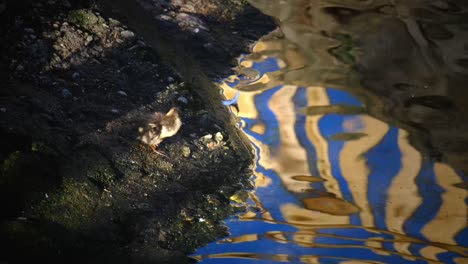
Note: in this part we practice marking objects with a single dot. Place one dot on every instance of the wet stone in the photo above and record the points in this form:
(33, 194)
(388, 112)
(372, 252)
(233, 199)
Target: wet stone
(186, 151)
(182, 100)
(127, 34)
(122, 93)
(218, 137)
(113, 22)
(66, 94)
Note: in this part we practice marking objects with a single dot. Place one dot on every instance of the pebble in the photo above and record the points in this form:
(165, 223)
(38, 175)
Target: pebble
(182, 100)
(218, 137)
(208, 136)
(113, 22)
(170, 79)
(186, 151)
(137, 45)
(66, 93)
(19, 67)
(115, 111)
(127, 34)
(122, 93)
(164, 17)
(3, 109)
(29, 30)
(75, 75)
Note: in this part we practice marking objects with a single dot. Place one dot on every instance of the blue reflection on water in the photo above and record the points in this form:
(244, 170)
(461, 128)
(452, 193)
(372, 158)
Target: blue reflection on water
(275, 240)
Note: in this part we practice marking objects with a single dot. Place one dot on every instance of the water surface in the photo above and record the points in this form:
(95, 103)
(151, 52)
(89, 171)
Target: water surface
(345, 108)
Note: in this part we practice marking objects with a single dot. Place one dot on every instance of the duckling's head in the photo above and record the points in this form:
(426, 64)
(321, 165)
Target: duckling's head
(150, 134)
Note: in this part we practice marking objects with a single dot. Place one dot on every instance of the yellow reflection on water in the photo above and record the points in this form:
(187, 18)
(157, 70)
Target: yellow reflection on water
(453, 214)
(351, 189)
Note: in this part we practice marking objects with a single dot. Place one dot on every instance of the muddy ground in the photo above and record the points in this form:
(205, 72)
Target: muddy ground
(75, 185)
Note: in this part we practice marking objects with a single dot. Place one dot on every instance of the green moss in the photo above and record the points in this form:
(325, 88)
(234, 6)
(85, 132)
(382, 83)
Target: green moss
(90, 164)
(101, 174)
(83, 18)
(73, 206)
(195, 233)
(10, 167)
(239, 2)
(42, 148)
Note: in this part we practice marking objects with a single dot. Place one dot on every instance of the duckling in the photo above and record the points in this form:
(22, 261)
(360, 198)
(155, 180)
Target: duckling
(159, 126)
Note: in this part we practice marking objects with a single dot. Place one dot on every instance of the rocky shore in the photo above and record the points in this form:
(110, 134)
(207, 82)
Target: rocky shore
(75, 185)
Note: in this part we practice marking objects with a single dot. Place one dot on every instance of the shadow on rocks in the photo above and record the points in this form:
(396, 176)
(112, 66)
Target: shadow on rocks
(74, 183)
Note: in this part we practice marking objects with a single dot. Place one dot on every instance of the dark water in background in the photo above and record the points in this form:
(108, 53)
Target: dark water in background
(337, 179)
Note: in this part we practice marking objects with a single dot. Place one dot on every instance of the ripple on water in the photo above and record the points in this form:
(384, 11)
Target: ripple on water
(340, 181)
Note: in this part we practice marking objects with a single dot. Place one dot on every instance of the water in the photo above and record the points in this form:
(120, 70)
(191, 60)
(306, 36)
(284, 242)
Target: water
(353, 114)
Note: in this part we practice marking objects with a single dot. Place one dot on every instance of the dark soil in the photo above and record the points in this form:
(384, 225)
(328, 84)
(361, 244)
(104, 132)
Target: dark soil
(75, 185)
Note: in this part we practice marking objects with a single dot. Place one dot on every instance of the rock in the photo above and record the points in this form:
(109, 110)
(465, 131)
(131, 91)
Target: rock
(66, 93)
(218, 137)
(164, 17)
(122, 93)
(170, 79)
(115, 111)
(127, 34)
(137, 45)
(182, 100)
(75, 75)
(3, 109)
(113, 22)
(188, 21)
(186, 151)
(206, 137)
